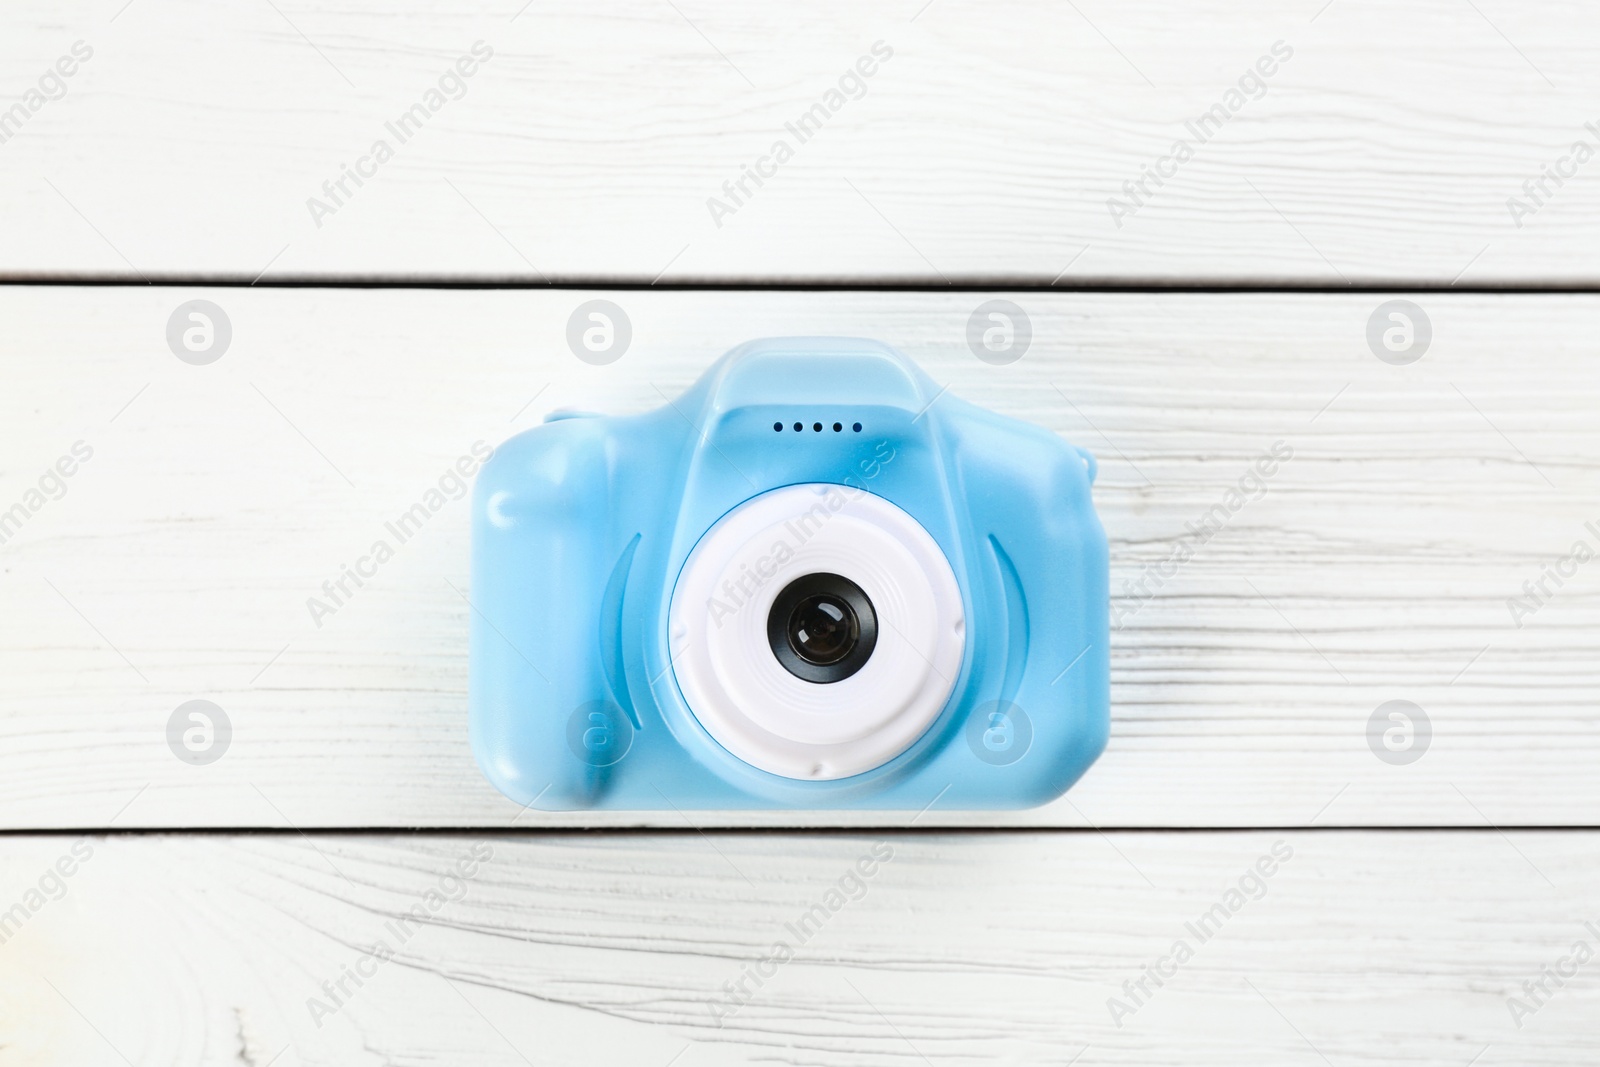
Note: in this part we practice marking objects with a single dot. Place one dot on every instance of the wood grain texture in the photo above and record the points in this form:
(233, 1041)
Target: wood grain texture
(1357, 948)
(1386, 148)
(1377, 565)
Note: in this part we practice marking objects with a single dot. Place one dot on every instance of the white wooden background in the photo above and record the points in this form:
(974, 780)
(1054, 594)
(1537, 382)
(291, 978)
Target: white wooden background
(1385, 149)
(1378, 566)
(1363, 948)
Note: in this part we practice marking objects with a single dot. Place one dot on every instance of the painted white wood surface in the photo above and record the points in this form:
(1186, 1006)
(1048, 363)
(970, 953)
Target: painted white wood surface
(1386, 147)
(1378, 565)
(1360, 947)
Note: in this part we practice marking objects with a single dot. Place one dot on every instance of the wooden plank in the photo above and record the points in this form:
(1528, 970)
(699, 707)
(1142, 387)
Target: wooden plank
(1400, 948)
(1384, 143)
(1377, 565)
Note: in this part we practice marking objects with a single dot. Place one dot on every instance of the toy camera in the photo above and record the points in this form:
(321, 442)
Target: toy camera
(815, 580)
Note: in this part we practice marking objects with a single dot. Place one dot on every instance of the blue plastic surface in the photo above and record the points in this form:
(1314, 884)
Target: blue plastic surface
(581, 526)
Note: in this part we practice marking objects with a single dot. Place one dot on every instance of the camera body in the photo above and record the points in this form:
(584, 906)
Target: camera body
(814, 581)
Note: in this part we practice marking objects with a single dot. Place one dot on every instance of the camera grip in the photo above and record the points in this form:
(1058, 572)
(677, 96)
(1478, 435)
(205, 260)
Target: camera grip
(1028, 495)
(538, 573)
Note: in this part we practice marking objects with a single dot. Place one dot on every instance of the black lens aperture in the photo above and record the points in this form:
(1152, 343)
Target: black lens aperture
(822, 628)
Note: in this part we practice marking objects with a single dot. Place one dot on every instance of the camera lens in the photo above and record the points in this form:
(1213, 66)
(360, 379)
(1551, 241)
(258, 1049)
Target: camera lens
(822, 628)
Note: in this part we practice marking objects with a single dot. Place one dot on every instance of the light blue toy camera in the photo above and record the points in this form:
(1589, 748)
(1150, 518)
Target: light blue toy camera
(815, 580)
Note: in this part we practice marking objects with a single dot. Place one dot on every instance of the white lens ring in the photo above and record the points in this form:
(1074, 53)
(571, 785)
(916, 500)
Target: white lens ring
(747, 700)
